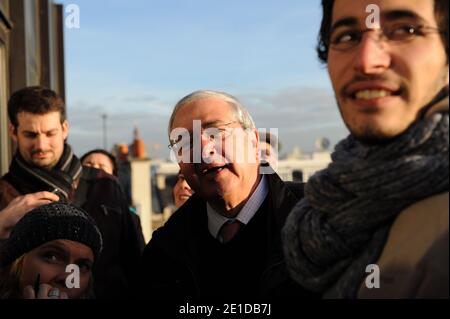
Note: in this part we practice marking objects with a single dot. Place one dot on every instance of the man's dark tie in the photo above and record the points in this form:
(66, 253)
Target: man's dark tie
(230, 229)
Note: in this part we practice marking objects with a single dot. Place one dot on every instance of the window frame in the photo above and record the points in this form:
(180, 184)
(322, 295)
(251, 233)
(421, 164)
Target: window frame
(5, 143)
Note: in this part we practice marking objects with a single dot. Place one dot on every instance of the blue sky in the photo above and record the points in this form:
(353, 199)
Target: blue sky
(133, 60)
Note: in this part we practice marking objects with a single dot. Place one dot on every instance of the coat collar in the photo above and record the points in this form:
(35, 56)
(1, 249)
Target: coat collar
(180, 235)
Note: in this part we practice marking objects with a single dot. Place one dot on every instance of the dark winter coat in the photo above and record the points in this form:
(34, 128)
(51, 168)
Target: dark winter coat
(183, 260)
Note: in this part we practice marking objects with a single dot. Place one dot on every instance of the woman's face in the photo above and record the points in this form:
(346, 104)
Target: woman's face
(181, 191)
(51, 259)
(99, 161)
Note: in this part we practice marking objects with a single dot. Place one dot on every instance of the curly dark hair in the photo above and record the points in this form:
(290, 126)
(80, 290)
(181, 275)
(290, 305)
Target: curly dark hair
(440, 12)
(36, 100)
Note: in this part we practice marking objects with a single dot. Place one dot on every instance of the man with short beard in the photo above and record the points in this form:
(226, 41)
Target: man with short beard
(374, 224)
(44, 170)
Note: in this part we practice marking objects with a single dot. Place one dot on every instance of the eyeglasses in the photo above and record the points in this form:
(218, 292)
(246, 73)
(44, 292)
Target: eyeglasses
(344, 39)
(213, 133)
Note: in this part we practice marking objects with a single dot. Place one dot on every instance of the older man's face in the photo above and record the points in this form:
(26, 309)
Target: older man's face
(228, 168)
(381, 86)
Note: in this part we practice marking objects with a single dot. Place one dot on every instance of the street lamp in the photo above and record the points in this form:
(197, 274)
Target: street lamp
(104, 116)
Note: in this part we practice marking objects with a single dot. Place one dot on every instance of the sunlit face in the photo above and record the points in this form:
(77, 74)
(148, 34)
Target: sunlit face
(50, 261)
(181, 191)
(40, 138)
(381, 86)
(99, 161)
(225, 172)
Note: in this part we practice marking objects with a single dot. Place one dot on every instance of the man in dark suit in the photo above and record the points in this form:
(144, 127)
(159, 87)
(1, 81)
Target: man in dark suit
(225, 240)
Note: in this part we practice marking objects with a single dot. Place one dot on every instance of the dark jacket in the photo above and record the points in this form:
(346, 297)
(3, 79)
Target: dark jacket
(172, 260)
(101, 196)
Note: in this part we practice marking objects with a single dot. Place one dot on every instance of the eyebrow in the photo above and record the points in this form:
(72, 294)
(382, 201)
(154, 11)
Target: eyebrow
(205, 125)
(57, 247)
(401, 14)
(36, 133)
(63, 250)
(345, 22)
(29, 132)
(214, 123)
(210, 124)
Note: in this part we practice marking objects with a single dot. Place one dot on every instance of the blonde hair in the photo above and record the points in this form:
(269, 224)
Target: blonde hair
(10, 279)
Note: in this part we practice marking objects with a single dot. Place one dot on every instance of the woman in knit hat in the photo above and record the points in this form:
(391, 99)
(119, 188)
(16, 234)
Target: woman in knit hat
(50, 254)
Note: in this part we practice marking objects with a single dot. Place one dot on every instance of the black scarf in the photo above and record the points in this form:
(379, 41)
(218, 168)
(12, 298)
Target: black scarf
(342, 224)
(30, 179)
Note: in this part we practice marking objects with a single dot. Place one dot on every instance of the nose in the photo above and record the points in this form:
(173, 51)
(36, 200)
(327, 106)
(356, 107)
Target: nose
(372, 55)
(185, 185)
(41, 142)
(208, 144)
(59, 279)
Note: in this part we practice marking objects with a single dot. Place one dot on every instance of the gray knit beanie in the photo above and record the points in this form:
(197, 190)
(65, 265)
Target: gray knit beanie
(51, 222)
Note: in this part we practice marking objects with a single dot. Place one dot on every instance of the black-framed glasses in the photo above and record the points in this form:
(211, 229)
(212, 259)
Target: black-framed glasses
(347, 38)
(213, 133)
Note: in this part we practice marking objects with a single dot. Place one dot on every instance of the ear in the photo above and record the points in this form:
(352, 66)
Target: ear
(256, 141)
(255, 144)
(12, 132)
(65, 129)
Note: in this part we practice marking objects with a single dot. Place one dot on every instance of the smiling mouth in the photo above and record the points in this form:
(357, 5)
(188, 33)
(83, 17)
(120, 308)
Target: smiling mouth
(214, 170)
(374, 94)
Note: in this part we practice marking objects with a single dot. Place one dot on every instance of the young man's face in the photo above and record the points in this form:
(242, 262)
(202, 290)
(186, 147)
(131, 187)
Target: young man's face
(380, 85)
(40, 138)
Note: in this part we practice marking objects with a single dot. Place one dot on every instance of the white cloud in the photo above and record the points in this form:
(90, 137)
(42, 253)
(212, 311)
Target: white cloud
(301, 115)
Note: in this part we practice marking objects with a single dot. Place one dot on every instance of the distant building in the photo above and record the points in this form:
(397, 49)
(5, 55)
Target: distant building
(31, 53)
(301, 168)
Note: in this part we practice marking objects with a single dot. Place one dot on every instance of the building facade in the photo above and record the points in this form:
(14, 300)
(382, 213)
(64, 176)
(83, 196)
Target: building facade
(31, 53)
